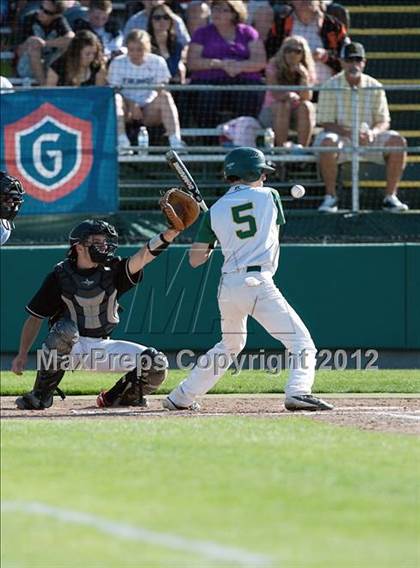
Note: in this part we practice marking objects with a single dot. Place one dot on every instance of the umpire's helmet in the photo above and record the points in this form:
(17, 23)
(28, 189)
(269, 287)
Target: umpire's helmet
(11, 196)
(85, 229)
(246, 163)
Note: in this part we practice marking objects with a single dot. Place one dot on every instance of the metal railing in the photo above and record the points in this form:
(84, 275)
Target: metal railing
(277, 154)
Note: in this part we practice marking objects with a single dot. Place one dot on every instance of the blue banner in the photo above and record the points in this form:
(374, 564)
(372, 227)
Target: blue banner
(61, 144)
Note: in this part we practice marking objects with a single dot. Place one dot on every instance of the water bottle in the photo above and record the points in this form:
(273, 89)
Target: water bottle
(269, 138)
(364, 127)
(143, 141)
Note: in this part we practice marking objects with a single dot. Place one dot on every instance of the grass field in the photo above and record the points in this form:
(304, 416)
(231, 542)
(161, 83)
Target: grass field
(299, 495)
(210, 491)
(385, 381)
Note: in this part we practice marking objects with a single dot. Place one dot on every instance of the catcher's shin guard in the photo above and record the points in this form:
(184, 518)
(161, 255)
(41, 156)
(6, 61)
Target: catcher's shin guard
(154, 369)
(41, 396)
(130, 389)
(127, 391)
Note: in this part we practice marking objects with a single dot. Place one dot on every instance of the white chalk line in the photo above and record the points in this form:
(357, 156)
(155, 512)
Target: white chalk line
(400, 415)
(139, 534)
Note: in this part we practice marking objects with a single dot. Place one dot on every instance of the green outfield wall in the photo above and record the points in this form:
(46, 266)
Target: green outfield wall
(350, 296)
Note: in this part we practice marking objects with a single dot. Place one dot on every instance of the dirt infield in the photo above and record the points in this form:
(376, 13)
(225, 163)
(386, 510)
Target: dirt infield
(367, 412)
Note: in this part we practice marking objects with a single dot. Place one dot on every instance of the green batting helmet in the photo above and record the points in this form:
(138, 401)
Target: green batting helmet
(246, 163)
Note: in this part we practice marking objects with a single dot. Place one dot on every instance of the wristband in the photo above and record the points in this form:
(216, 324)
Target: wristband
(157, 245)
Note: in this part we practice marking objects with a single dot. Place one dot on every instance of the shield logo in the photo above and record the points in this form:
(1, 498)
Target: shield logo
(50, 151)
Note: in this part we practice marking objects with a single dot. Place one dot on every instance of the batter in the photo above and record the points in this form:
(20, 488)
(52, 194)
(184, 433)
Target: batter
(246, 221)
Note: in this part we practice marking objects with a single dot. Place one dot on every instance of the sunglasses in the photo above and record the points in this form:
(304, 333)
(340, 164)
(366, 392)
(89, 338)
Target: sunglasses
(48, 12)
(353, 59)
(293, 50)
(158, 17)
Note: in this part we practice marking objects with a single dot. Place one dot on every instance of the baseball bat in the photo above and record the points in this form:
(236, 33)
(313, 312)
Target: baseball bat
(183, 174)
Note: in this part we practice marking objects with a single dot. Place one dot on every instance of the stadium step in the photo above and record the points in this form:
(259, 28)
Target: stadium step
(384, 16)
(373, 41)
(354, 5)
(391, 67)
(141, 184)
(402, 97)
(412, 136)
(404, 116)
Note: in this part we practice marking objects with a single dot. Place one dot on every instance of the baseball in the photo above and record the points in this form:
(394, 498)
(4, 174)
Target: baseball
(298, 191)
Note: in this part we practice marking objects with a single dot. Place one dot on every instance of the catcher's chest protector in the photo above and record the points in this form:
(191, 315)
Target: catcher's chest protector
(91, 301)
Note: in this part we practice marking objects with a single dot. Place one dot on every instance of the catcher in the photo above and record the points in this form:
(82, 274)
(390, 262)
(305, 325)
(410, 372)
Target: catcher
(80, 299)
(11, 199)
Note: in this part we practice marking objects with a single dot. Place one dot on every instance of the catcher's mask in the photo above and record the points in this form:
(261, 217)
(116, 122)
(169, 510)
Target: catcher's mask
(11, 196)
(102, 253)
(246, 163)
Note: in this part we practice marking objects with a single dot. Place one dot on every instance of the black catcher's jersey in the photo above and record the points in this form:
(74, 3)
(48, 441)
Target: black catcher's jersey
(89, 297)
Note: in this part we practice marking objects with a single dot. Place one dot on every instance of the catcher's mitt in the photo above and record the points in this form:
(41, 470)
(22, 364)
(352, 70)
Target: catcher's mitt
(180, 209)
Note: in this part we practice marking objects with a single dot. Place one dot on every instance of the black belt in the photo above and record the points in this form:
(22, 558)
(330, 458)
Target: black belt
(253, 268)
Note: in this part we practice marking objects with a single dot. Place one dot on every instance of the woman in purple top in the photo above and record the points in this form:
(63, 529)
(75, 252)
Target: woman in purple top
(227, 51)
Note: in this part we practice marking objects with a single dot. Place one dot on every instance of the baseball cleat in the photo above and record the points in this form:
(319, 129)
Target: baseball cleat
(100, 400)
(29, 401)
(169, 405)
(306, 402)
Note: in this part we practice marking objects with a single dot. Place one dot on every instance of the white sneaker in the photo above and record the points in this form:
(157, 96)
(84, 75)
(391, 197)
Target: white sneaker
(177, 144)
(169, 405)
(329, 204)
(124, 146)
(392, 204)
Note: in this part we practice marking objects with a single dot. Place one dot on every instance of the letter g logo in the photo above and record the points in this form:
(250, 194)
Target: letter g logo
(55, 155)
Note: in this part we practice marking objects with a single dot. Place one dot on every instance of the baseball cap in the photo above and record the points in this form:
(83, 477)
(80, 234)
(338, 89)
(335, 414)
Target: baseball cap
(247, 163)
(353, 49)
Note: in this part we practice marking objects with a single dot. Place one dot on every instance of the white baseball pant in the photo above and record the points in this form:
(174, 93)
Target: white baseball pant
(105, 355)
(243, 294)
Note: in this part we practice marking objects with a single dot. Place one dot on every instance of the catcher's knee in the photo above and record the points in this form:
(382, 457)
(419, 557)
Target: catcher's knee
(153, 369)
(61, 338)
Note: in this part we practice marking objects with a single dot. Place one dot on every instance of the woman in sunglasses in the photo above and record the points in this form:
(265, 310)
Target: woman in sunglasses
(45, 34)
(291, 65)
(161, 28)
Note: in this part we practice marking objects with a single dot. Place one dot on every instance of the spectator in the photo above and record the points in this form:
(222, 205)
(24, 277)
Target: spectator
(82, 65)
(325, 35)
(150, 107)
(107, 30)
(338, 11)
(161, 29)
(140, 21)
(226, 52)
(45, 35)
(292, 65)
(334, 114)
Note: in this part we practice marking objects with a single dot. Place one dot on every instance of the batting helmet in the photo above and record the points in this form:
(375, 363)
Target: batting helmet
(98, 253)
(246, 163)
(11, 196)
